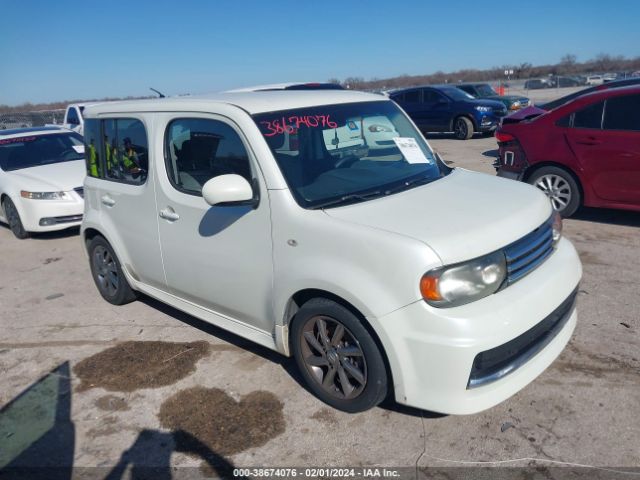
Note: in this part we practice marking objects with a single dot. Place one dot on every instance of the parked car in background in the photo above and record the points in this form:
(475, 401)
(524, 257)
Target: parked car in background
(533, 111)
(610, 77)
(584, 152)
(536, 84)
(564, 82)
(73, 119)
(445, 108)
(595, 80)
(484, 90)
(381, 272)
(41, 176)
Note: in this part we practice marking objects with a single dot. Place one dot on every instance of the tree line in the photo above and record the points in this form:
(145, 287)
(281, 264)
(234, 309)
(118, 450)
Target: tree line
(568, 65)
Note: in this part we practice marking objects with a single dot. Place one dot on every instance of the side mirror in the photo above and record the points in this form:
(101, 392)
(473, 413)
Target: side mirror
(227, 189)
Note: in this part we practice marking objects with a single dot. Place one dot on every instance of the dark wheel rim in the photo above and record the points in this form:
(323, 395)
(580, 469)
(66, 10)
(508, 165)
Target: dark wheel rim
(557, 189)
(12, 217)
(333, 357)
(106, 271)
(461, 128)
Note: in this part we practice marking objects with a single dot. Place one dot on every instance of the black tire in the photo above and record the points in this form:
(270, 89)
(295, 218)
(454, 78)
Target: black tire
(561, 188)
(13, 219)
(462, 128)
(354, 357)
(107, 273)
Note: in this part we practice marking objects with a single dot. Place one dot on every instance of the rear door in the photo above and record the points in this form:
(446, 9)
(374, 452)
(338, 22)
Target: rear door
(605, 136)
(120, 187)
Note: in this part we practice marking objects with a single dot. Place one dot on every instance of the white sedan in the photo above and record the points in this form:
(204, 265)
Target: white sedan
(41, 175)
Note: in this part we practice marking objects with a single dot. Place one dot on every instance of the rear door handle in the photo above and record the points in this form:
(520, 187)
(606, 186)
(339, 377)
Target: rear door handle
(107, 200)
(169, 214)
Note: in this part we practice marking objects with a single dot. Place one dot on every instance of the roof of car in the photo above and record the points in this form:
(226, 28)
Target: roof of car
(289, 86)
(17, 132)
(443, 86)
(252, 102)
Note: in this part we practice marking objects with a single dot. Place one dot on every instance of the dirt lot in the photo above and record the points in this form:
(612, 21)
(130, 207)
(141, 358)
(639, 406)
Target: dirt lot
(229, 403)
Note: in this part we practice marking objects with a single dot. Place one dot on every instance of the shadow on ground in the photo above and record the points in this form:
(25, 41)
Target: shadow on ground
(288, 364)
(69, 232)
(608, 215)
(37, 441)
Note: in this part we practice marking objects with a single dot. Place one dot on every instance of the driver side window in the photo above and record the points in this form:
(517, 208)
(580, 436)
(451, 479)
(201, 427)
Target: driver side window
(198, 149)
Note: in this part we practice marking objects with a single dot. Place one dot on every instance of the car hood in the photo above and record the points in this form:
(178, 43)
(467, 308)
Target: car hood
(461, 216)
(510, 98)
(62, 176)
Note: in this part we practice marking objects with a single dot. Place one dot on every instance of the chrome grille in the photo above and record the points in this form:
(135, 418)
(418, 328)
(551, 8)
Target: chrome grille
(526, 254)
(79, 191)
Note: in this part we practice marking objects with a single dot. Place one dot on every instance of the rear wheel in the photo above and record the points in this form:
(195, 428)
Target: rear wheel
(463, 128)
(561, 188)
(339, 360)
(107, 273)
(13, 219)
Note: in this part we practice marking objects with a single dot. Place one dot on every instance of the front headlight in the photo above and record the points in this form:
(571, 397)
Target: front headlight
(45, 195)
(481, 108)
(466, 282)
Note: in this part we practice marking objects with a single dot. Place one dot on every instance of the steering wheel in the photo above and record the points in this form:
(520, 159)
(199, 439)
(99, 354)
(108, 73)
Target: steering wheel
(347, 161)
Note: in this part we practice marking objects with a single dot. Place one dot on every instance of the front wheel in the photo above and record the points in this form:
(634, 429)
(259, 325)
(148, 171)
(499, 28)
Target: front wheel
(13, 219)
(463, 128)
(338, 358)
(561, 188)
(107, 273)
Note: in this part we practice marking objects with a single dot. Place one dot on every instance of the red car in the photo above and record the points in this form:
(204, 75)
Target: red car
(585, 152)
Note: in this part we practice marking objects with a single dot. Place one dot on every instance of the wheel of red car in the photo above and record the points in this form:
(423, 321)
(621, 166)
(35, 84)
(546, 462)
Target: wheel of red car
(561, 188)
(463, 128)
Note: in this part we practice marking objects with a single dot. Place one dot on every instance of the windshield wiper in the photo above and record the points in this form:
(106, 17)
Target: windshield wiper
(349, 198)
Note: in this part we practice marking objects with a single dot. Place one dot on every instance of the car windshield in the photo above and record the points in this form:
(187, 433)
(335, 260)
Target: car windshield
(333, 155)
(485, 91)
(36, 150)
(457, 94)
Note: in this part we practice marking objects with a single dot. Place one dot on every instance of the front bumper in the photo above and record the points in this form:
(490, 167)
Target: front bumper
(50, 215)
(508, 174)
(432, 351)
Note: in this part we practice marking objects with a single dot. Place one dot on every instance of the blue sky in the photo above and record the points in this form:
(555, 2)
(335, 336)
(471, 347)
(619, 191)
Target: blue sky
(57, 50)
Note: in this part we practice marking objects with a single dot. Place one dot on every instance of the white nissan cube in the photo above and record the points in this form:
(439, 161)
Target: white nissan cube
(382, 271)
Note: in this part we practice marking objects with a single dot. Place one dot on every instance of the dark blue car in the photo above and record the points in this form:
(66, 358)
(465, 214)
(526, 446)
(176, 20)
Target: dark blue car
(444, 108)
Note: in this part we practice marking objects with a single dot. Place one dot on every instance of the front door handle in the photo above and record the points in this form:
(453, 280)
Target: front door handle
(169, 214)
(107, 200)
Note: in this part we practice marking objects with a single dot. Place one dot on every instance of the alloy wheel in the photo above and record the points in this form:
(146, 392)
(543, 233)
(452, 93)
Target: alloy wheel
(106, 271)
(333, 357)
(557, 189)
(461, 128)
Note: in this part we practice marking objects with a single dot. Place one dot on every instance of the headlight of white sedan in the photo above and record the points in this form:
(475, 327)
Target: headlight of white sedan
(466, 282)
(45, 195)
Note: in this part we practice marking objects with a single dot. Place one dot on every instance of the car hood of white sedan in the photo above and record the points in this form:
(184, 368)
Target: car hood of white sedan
(461, 216)
(56, 177)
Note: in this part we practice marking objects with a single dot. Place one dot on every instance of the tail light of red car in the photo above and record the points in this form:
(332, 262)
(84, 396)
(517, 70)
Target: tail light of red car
(511, 156)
